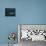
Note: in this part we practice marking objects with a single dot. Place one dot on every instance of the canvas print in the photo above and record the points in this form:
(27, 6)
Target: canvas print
(10, 12)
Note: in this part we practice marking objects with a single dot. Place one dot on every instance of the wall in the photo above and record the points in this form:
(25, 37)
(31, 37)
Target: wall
(27, 12)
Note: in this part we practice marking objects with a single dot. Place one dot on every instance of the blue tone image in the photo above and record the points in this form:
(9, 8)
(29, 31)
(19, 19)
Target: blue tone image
(27, 12)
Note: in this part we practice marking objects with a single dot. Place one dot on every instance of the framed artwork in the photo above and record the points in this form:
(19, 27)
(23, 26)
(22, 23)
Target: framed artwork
(10, 12)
